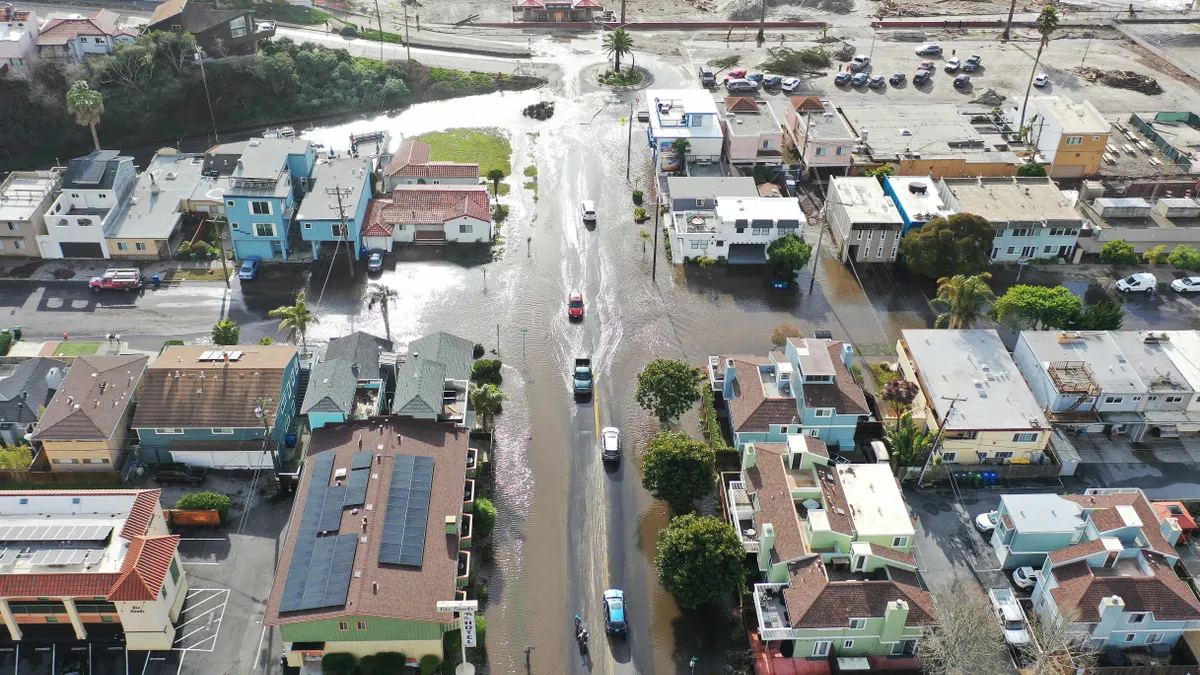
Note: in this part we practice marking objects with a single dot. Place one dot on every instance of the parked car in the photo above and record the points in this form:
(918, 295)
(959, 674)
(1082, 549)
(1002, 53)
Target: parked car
(791, 84)
(264, 26)
(962, 82)
(921, 78)
(1186, 285)
(610, 444)
(897, 79)
(588, 207)
(842, 79)
(877, 82)
(755, 77)
(929, 49)
(972, 63)
(859, 79)
(614, 612)
(575, 305)
(771, 81)
(707, 77)
(986, 522)
(741, 86)
(175, 473)
(926, 65)
(249, 269)
(1026, 577)
(375, 261)
(860, 63)
(1041, 80)
(1138, 282)
(735, 74)
(1012, 619)
(953, 64)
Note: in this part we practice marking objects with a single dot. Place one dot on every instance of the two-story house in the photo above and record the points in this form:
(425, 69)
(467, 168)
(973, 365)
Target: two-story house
(219, 32)
(18, 38)
(972, 391)
(86, 424)
(429, 215)
(1182, 346)
(863, 219)
(266, 179)
(693, 217)
(1032, 216)
(432, 382)
(24, 198)
(753, 136)
(75, 37)
(1069, 136)
(1168, 391)
(684, 114)
(821, 136)
(95, 190)
(805, 389)
(411, 166)
(736, 230)
(25, 391)
(228, 408)
(144, 229)
(348, 383)
(335, 210)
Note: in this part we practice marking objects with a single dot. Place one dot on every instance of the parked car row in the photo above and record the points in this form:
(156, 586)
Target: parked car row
(856, 74)
(739, 81)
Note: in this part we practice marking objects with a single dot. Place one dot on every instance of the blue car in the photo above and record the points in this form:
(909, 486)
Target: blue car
(375, 261)
(842, 79)
(614, 612)
(249, 268)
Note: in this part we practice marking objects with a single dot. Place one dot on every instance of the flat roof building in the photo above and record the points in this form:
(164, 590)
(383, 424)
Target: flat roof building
(1033, 218)
(865, 223)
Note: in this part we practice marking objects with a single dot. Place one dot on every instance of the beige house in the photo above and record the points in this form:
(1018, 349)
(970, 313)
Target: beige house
(24, 197)
(86, 425)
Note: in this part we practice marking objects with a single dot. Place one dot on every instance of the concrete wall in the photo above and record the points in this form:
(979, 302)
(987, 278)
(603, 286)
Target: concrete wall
(954, 168)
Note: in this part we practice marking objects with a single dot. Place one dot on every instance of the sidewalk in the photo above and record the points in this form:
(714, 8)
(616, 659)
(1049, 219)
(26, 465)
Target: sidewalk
(83, 270)
(426, 39)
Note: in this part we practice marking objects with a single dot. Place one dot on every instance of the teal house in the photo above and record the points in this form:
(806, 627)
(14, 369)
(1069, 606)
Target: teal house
(228, 408)
(349, 382)
(336, 206)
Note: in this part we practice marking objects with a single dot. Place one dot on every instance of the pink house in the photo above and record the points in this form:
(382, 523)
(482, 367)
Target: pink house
(820, 134)
(752, 133)
(556, 11)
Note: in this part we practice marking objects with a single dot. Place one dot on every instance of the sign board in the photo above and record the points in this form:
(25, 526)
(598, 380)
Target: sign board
(445, 606)
(468, 625)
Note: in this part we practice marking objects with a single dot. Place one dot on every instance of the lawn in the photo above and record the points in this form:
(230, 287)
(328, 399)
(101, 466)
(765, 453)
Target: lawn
(881, 375)
(195, 274)
(77, 349)
(489, 148)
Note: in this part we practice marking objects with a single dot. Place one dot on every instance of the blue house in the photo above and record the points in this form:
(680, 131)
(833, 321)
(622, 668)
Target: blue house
(349, 382)
(228, 408)
(334, 210)
(265, 179)
(805, 389)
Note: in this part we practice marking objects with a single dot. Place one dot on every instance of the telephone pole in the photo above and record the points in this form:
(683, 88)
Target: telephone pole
(379, 22)
(654, 259)
(820, 236)
(938, 439)
(407, 47)
(345, 232)
(629, 142)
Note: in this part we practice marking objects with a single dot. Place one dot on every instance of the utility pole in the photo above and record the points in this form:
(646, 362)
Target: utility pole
(379, 21)
(204, 78)
(260, 411)
(762, 22)
(654, 259)
(407, 47)
(345, 232)
(820, 237)
(622, 12)
(629, 142)
(221, 250)
(938, 439)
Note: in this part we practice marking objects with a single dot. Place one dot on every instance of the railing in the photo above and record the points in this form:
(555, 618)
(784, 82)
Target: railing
(779, 634)
(751, 546)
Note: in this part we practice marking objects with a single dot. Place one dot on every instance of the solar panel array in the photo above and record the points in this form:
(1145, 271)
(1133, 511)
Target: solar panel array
(356, 489)
(362, 460)
(92, 173)
(404, 524)
(65, 556)
(321, 567)
(55, 532)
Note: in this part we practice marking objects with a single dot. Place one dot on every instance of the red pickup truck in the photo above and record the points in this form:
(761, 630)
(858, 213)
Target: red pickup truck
(117, 279)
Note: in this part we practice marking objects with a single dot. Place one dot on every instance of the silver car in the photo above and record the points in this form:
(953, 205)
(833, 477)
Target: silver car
(610, 444)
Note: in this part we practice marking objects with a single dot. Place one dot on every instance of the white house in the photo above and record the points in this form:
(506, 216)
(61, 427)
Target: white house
(428, 215)
(865, 223)
(684, 113)
(18, 37)
(94, 190)
(77, 36)
(736, 228)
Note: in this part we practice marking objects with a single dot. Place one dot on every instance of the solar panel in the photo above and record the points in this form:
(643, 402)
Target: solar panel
(9, 555)
(326, 578)
(356, 489)
(404, 524)
(92, 173)
(331, 512)
(55, 532)
(362, 460)
(62, 556)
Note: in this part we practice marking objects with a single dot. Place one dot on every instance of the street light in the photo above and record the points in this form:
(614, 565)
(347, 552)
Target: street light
(204, 78)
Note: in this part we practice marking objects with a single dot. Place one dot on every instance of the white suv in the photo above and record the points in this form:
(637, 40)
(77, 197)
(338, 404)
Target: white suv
(589, 210)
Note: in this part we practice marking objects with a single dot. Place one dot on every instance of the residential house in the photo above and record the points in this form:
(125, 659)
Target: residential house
(1168, 392)
(805, 389)
(1033, 218)
(1181, 347)
(121, 567)
(429, 215)
(219, 32)
(348, 383)
(684, 114)
(365, 582)
(917, 199)
(411, 166)
(725, 218)
(145, 227)
(863, 219)
(556, 11)
(336, 208)
(432, 382)
(24, 198)
(972, 391)
(86, 424)
(75, 37)
(94, 191)
(753, 136)
(228, 408)
(18, 38)
(822, 137)
(1070, 137)
(25, 390)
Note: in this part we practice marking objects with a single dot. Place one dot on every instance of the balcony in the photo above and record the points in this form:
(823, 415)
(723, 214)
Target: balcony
(716, 373)
(465, 531)
(741, 514)
(464, 569)
(469, 496)
(472, 462)
(772, 613)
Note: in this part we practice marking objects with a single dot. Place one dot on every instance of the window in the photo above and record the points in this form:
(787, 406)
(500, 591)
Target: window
(260, 208)
(162, 592)
(1154, 638)
(13, 227)
(859, 236)
(19, 245)
(823, 412)
(308, 226)
(65, 461)
(1137, 617)
(893, 251)
(904, 648)
(821, 648)
(695, 244)
(168, 432)
(1004, 454)
(1113, 399)
(229, 203)
(995, 252)
(102, 195)
(1011, 250)
(841, 150)
(122, 246)
(814, 432)
(174, 571)
(465, 228)
(338, 230)
(720, 243)
(697, 121)
(361, 625)
(899, 542)
(222, 430)
(85, 222)
(847, 644)
(1024, 437)
(264, 229)
(879, 253)
(766, 144)
(95, 461)
(234, 225)
(343, 625)
(1047, 249)
(704, 244)
(949, 456)
(237, 27)
(106, 618)
(858, 624)
(821, 152)
(699, 203)
(52, 619)
(869, 234)
(1174, 399)
(1129, 637)
(140, 245)
(1074, 140)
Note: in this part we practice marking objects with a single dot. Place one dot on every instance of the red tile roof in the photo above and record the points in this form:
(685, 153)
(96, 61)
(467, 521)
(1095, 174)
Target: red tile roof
(81, 584)
(741, 104)
(813, 601)
(412, 161)
(584, 4)
(529, 3)
(62, 31)
(436, 204)
(1162, 592)
(373, 224)
(144, 507)
(1163, 509)
(807, 104)
(144, 568)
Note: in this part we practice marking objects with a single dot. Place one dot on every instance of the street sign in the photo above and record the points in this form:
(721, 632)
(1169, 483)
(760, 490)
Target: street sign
(446, 606)
(468, 626)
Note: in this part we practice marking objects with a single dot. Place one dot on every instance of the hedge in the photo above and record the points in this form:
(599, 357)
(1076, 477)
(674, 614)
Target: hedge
(487, 371)
(429, 664)
(711, 424)
(204, 501)
(21, 457)
(338, 663)
(390, 662)
(484, 517)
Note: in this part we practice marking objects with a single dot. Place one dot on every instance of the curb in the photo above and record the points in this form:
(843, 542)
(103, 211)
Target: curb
(421, 44)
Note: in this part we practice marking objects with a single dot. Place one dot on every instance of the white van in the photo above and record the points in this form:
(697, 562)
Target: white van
(1140, 282)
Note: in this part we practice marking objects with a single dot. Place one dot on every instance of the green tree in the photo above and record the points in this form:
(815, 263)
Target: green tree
(295, 318)
(909, 444)
(1185, 258)
(667, 388)
(617, 44)
(495, 175)
(678, 470)
(1036, 307)
(882, 171)
(788, 254)
(1157, 255)
(1104, 314)
(1118, 252)
(1031, 170)
(645, 237)
(1047, 24)
(175, 49)
(681, 147)
(266, 341)
(796, 62)
(965, 298)
(487, 401)
(383, 296)
(899, 394)
(700, 560)
(944, 247)
(87, 105)
(483, 518)
(226, 332)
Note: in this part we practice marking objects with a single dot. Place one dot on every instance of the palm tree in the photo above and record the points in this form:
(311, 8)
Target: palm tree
(645, 237)
(295, 318)
(383, 296)
(680, 147)
(1047, 24)
(618, 43)
(87, 105)
(965, 298)
(226, 332)
(487, 401)
(909, 444)
(495, 175)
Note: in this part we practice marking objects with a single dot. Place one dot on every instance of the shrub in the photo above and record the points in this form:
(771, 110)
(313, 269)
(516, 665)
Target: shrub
(348, 31)
(637, 196)
(639, 214)
(499, 213)
(429, 664)
(484, 517)
(1185, 258)
(184, 250)
(267, 341)
(390, 663)
(338, 663)
(487, 371)
(369, 665)
(19, 457)
(478, 351)
(6, 340)
(480, 631)
(205, 501)
(1118, 252)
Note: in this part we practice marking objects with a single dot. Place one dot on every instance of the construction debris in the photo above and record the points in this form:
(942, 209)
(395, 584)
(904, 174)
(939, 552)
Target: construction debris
(843, 53)
(990, 98)
(1121, 79)
(540, 111)
(750, 10)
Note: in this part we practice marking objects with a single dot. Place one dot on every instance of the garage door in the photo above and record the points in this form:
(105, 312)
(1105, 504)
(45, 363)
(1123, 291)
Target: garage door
(747, 254)
(223, 460)
(77, 249)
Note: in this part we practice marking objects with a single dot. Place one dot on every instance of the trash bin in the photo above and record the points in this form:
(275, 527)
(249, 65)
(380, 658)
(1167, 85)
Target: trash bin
(290, 440)
(990, 477)
(16, 333)
(156, 280)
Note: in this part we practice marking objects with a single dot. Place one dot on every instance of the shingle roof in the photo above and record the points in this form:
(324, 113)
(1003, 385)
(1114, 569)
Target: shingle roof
(1074, 551)
(837, 507)
(431, 361)
(92, 400)
(845, 396)
(361, 350)
(144, 569)
(813, 601)
(26, 391)
(807, 104)
(453, 351)
(1103, 513)
(145, 504)
(62, 31)
(436, 204)
(197, 17)
(331, 388)
(768, 478)
(893, 555)
(1162, 593)
(412, 161)
(750, 409)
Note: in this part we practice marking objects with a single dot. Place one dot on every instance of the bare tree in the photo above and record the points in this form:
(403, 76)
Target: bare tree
(967, 639)
(781, 333)
(1057, 648)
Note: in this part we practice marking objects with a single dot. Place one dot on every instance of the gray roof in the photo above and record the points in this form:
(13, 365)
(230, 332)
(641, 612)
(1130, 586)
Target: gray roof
(431, 361)
(1110, 368)
(331, 388)
(223, 158)
(451, 350)
(95, 171)
(154, 211)
(25, 390)
(1151, 362)
(267, 157)
(1043, 513)
(682, 187)
(344, 174)
(358, 349)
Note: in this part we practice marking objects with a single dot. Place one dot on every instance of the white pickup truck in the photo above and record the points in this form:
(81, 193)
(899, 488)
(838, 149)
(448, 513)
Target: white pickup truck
(1012, 617)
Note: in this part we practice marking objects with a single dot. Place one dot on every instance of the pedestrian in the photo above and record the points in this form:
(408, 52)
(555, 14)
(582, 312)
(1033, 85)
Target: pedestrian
(66, 337)
(418, 22)
(953, 52)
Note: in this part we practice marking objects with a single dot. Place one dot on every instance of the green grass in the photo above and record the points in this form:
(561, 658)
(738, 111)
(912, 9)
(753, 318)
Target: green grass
(487, 147)
(881, 376)
(504, 189)
(77, 349)
(290, 14)
(192, 274)
(531, 171)
(373, 34)
(532, 186)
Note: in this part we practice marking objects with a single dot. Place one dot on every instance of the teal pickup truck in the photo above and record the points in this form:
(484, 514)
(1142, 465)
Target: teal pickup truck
(583, 377)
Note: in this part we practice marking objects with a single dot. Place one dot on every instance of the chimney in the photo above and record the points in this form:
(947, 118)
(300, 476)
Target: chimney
(103, 386)
(749, 457)
(54, 378)
(364, 524)
(1110, 610)
(894, 618)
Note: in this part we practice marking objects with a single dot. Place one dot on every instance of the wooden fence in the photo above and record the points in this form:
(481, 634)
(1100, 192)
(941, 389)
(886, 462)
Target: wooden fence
(1005, 472)
(90, 478)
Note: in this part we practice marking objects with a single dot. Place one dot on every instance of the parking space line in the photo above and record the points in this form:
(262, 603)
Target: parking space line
(201, 602)
(204, 613)
(198, 562)
(180, 668)
(258, 655)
